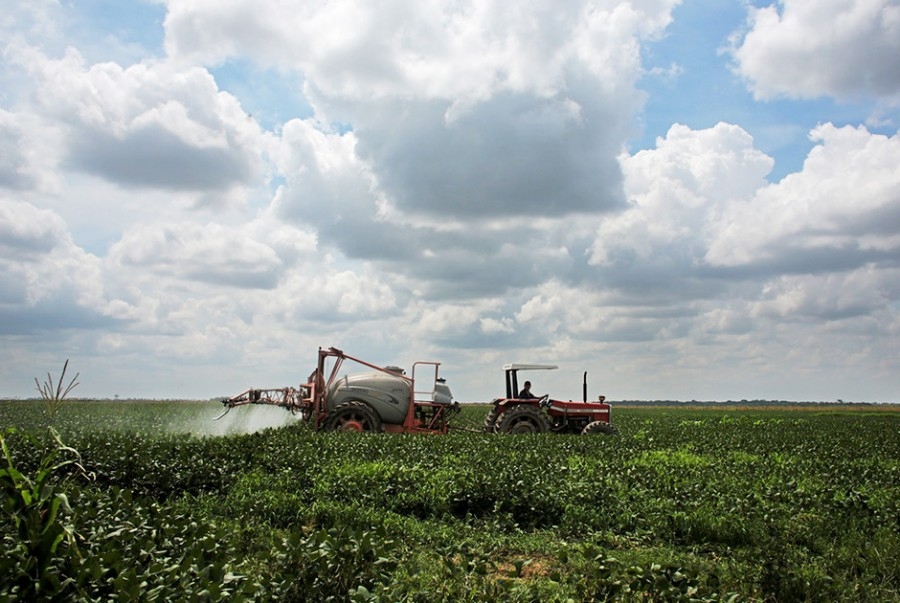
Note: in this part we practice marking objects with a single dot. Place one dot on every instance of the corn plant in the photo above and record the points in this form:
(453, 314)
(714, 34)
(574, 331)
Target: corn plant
(34, 507)
(54, 395)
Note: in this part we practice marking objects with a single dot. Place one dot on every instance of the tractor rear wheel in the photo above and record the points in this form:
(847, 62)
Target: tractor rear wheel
(599, 427)
(352, 416)
(490, 421)
(523, 419)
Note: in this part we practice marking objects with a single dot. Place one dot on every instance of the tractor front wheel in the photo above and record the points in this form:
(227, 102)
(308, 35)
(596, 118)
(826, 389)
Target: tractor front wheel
(352, 416)
(523, 420)
(599, 427)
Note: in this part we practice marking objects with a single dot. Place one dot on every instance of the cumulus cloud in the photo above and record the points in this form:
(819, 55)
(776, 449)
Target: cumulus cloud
(147, 125)
(840, 212)
(703, 219)
(828, 297)
(28, 153)
(48, 281)
(330, 187)
(28, 230)
(422, 50)
(209, 253)
(802, 49)
(474, 135)
(674, 190)
(711, 256)
(455, 186)
(436, 92)
(325, 293)
(558, 157)
(13, 162)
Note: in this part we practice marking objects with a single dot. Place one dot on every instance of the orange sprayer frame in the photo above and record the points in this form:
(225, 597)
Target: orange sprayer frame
(422, 416)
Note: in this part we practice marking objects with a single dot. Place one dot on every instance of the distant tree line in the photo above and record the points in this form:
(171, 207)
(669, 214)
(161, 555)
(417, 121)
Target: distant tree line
(743, 402)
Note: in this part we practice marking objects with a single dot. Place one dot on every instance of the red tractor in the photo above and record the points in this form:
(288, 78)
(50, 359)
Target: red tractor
(383, 399)
(515, 414)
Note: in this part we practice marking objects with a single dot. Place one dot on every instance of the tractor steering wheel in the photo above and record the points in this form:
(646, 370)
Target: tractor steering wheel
(544, 400)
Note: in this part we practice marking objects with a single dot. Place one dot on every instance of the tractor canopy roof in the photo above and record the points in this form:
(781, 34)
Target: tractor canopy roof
(516, 366)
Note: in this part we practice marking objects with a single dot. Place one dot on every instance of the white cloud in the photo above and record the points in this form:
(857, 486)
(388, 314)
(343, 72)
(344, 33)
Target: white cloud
(28, 153)
(495, 326)
(13, 162)
(436, 91)
(146, 125)
(841, 210)
(35, 18)
(27, 230)
(344, 294)
(829, 297)
(702, 214)
(452, 187)
(712, 267)
(209, 253)
(448, 320)
(432, 49)
(48, 282)
(674, 190)
(805, 49)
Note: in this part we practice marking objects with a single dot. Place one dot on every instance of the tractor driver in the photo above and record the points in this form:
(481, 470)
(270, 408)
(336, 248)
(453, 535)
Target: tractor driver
(526, 394)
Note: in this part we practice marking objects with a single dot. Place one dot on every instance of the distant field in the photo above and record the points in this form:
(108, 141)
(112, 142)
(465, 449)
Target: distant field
(200, 417)
(830, 407)
(686, 503)
(143, 416)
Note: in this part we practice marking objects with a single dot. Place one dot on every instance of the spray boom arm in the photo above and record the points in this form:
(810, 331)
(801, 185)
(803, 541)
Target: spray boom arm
(308, 399)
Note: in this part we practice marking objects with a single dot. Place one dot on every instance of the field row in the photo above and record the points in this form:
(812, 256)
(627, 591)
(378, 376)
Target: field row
(683, 503)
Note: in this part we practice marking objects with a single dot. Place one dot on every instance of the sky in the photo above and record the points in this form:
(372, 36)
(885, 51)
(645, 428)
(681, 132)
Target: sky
(688, 200)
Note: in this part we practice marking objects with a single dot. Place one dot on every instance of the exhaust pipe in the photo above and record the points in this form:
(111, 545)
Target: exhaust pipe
(584, 388)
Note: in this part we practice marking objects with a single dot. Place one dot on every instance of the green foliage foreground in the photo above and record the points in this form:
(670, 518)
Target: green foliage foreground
(683, 505)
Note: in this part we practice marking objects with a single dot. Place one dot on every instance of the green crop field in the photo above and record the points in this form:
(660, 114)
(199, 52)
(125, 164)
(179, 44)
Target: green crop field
(155, 501)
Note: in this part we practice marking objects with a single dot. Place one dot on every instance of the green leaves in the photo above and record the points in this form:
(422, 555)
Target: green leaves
(685, 505)
(34, 507)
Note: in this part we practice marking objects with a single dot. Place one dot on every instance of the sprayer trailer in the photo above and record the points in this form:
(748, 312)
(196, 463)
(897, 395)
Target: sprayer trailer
(383, 398)
(521, 412)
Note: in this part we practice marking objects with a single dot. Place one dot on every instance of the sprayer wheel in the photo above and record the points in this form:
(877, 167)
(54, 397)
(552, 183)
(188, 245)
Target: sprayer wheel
(352, 416)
